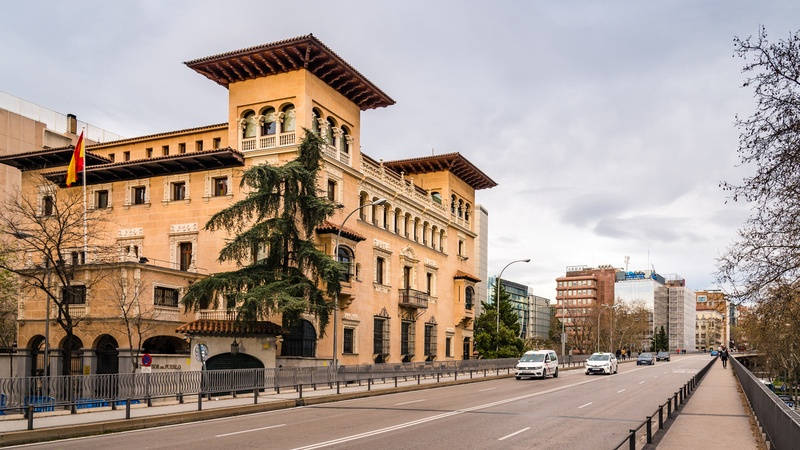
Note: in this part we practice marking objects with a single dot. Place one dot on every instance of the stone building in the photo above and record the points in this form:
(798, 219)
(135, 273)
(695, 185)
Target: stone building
(410, 293)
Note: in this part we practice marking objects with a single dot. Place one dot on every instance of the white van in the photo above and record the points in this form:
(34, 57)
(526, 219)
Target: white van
(538, 363)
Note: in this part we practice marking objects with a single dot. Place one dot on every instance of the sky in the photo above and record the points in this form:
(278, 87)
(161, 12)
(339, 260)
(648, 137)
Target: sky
(608, 126)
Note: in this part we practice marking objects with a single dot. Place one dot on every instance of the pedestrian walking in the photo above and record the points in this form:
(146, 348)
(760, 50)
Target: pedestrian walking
(724, 357)
(618, 353)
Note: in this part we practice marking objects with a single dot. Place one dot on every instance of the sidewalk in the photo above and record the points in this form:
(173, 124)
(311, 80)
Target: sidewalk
(714, 417)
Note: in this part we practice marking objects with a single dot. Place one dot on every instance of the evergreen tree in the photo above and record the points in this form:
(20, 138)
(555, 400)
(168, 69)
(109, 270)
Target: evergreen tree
(660, 342)
(487, 341)
(280, 268)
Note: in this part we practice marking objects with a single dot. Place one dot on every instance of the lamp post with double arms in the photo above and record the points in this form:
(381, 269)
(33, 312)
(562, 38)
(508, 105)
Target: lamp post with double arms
(497, 300)
(379, 202)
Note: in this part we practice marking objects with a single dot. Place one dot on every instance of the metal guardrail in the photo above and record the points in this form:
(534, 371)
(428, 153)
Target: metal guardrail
(643, 434)
(780, 423)
(30, 395)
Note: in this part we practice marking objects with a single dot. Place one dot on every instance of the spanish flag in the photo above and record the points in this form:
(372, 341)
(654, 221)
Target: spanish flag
(76, 163)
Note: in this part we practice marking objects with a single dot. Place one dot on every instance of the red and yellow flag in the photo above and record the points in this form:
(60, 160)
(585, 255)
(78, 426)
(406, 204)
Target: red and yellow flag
(76, 163)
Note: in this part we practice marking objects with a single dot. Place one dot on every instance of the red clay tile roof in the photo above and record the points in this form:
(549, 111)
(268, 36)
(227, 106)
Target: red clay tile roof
(330, 227)
(147, 137)
(456, 163)
(460, 275)
(212, 327)
(302, 52)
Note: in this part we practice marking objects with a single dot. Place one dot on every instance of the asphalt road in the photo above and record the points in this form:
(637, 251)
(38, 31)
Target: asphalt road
(574, 411)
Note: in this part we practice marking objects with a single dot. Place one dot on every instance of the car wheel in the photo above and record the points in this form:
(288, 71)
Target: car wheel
(544, 373)
(555, 374)
(616, 369)
(518, 377)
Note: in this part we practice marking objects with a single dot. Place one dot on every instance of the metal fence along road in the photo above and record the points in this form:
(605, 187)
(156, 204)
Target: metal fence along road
(30, 395)
(780, 423)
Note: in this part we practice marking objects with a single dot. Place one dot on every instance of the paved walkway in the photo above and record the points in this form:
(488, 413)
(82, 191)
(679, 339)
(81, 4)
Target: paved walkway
(714, 417)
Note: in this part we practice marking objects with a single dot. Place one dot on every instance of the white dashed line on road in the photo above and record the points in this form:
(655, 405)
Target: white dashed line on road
(254, 429)
(410, 401)
(487, 389)
(620, 391)
(641, 382)
(514, 433)
(584, 406)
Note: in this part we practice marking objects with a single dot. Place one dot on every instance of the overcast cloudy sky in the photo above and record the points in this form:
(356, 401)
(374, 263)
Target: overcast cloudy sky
(607, 125)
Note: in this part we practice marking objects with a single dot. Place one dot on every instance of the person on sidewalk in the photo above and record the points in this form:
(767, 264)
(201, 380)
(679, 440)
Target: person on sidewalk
(617, 354)
(724, 357)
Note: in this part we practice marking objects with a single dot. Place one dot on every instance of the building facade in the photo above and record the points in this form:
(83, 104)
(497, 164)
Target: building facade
(519, 301)
(710, 326)
(581, 289)
(645, 289)
(481, 257)
(681, 316)
(716, 300)
(541, 311)
(410, 293)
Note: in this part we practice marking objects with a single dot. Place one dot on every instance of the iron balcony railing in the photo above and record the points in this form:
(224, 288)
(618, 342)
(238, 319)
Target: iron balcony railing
(413, 298)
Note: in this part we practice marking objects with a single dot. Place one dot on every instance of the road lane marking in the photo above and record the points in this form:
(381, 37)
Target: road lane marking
(248, 431)
(514, 433)
(641, 382)
(410, 402)
(584, 406)
(487, 389)
(620, 391)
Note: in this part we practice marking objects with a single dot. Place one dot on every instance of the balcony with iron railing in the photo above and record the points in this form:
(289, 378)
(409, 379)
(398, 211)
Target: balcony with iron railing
(413, 298)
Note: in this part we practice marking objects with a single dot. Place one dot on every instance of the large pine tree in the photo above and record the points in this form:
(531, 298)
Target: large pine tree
(506, 344)
(281, 271)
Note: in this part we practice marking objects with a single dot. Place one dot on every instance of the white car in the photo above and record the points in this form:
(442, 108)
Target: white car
(601, 363)
(538, 363)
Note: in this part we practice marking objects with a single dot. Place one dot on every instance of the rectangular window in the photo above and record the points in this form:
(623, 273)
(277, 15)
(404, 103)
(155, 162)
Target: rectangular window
(111, 156)
(74, 258)
(380, 340)
(198, 145)
(179, 190)
(182, 147)
(216, 143)
(379, 262)
(47, 205)
(348, 341)
(448, 342)
(74, 295)
(430, 340)
(149, 152)
(406, 277)
(165, 150)
(429, 283)
(139, 195)
(407, 338)
(165, 297)
(185, 249)
(101, 199)
(220, 186)
(331, 190)
(126, 156)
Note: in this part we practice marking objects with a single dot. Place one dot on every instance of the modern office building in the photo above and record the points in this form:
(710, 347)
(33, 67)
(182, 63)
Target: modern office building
(646, 289)
(681, 316)
(541, 311)
(481, 257)
(519, 301)
(410, 293)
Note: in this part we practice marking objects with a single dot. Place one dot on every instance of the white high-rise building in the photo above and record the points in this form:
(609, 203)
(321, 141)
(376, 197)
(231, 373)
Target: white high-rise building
(682, 316)
(646, 289)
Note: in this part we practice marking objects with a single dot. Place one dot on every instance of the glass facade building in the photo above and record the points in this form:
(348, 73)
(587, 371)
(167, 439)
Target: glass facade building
(519, 301)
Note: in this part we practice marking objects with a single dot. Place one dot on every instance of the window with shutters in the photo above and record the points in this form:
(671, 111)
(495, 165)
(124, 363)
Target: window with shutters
(74, 295)
(164, 296)
(185, 252)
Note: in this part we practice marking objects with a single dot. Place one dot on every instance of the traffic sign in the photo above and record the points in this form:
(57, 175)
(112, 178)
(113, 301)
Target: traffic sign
(147, 360)
(201, 352)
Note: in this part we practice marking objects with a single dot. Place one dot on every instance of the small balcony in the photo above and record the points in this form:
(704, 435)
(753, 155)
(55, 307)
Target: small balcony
(334, 152)
(412, 298)
(216, 314)
(268, 141)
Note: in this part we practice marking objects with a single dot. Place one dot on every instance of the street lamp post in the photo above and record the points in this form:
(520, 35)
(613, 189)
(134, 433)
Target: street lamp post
(497, 300)
(378, 202)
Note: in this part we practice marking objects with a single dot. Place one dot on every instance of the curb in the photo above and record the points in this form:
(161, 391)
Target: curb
(138, 423)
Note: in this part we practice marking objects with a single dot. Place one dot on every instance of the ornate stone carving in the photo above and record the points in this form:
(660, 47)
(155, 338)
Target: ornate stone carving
(377, 243)
(431, 263)
(130, 232)
(183, 228)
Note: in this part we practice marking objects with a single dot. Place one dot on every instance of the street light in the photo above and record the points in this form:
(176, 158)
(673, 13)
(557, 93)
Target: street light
(379, 202)
(497, 299)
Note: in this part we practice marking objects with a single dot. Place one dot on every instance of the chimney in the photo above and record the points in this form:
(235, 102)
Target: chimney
(72, 124)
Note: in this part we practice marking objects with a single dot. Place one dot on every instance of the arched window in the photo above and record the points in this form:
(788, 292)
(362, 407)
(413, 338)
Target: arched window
(375, 212)
(268, 126)
(288, 118)
(329, 135)
(434, 233)
(36, 349)
(425, 233)
(397, 217)
(316, 115)
(466, 212)
(249, 126)
(407, 226)
(362, 202)
(107, 351)
(452, 204)
(437, 197)
(416, 230)
(460, 208)
(346, 257)
(72, 356)
(300, 341)
(386, 209)
(469, 293)
(345, 146)
(441, 240)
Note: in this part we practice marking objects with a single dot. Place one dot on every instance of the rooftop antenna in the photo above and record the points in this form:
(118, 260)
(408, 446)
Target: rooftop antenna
(627, 260)
(432, 153)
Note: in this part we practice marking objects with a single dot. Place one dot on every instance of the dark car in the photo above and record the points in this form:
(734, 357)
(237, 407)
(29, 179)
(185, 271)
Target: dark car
(645, 359)
(662, 356)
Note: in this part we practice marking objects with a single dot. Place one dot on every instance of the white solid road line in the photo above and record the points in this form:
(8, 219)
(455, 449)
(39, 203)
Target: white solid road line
(620, 391)
(641, 382)
(585, 405)
(249, 431)
(513, 434)
(487, 389)
(410, 402)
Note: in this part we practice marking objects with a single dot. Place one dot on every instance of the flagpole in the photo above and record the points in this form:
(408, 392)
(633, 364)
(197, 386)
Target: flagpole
(85, 237)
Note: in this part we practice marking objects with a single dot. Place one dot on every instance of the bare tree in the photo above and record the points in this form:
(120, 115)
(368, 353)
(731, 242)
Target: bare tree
(137, 316)
(8, 303)
(766, 253)
(49, 258)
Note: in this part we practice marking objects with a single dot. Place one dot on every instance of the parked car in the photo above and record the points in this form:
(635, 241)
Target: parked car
(601, 363)
(538, 363)
(645, 359)
(662, 356)
(786, 399)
